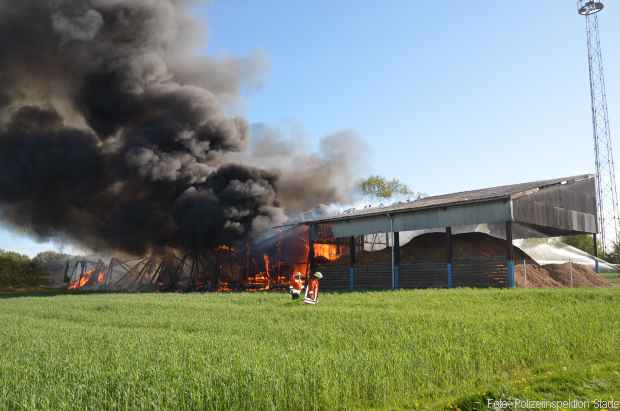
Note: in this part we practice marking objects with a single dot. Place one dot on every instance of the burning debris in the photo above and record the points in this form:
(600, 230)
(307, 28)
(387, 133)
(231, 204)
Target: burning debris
(114, 135)
(257, 267)
(87, 275)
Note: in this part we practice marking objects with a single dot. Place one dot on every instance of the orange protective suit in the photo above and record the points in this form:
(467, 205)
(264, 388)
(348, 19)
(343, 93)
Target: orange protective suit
(297, 285)
(312, 292)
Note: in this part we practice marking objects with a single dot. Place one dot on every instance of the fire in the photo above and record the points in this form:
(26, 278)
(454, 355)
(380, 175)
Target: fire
(82, 281)
(300, 268)
(257, 282)
(88, 278)
(268, 267)
(328, 251)
(224, 286)
(266, 262)
(280, 281)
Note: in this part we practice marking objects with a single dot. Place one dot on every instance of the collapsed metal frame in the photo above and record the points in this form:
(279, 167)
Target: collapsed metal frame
(224, 268)
(194, 271)
(166, 274)
(146, 268)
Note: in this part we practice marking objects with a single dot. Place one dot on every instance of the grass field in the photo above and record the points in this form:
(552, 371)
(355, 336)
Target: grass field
(394, 350)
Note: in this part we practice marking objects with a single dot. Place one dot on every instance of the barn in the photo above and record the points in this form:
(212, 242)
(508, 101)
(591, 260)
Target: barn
(455, 240)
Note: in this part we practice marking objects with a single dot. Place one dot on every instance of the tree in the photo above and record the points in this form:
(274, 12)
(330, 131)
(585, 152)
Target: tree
(613, 256)
(18, 270)
(55, 264)
(380, 187)
(585, 242)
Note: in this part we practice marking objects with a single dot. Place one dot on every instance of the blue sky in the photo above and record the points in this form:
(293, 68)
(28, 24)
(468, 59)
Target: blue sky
(453, 96)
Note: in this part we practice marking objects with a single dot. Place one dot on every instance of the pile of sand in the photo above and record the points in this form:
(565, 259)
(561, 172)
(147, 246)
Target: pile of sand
(534, 276)
(434, 247)
(582, 276)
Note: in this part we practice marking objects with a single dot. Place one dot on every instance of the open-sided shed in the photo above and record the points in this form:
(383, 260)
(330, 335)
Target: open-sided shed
(561, 206)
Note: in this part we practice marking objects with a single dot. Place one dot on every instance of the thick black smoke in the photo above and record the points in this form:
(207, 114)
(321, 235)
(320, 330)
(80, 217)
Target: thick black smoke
(113, 134)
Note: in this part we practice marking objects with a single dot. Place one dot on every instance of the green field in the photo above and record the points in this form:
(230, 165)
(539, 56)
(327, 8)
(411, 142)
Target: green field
(384, 350)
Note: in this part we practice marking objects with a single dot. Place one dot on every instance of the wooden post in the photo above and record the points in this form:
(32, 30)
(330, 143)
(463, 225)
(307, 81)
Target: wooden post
(396, 247)
(450, 257)
(351, 263)
(594, 240)
(510, 255)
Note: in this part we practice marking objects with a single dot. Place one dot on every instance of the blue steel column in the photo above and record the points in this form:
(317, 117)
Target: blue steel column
(387, 243)
(396, 246)
(510, 263)
(352, 263)
(596, 268)
(450, 257)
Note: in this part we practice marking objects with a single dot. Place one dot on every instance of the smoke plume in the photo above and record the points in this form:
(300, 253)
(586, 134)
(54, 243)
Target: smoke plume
(114, 134)
(307, 181)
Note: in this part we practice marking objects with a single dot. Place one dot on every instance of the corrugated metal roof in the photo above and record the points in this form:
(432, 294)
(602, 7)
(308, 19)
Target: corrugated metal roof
(447, 200)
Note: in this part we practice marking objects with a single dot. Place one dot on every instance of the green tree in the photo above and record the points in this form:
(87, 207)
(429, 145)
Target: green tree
(17, 270)
(380, 187)
(55, 264)
(585, 242)
(613, 255)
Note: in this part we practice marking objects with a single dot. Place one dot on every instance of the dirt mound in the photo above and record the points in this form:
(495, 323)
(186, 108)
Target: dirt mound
(582, 276)
(434, 247)
(534, 276)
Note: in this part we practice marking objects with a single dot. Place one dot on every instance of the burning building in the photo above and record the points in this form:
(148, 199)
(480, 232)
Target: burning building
(364, 250)
(251, 266)
(117, 135)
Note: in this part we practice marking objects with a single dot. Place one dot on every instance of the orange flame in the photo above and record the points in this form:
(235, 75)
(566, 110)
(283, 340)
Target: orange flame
(327, 251)
(300, 268)
(224, 287)
(87, 278)
(257, 282)
(266, 262)
(281, 281)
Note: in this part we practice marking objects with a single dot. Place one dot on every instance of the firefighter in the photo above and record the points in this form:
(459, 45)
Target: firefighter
(297, 285)
(312, 291)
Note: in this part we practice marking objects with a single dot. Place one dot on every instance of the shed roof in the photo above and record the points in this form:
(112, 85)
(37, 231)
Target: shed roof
(456, 199)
